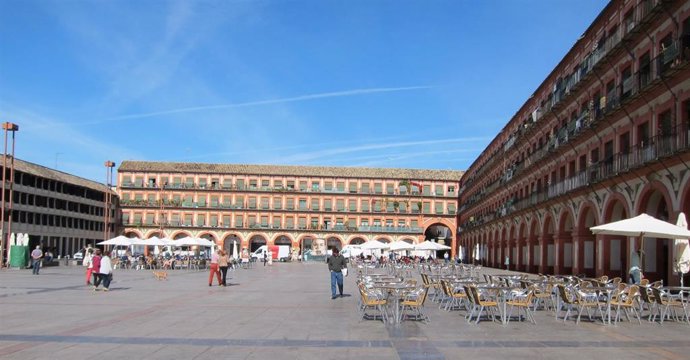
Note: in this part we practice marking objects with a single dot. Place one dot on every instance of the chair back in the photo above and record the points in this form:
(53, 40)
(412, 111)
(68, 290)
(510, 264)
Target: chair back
(564, 294)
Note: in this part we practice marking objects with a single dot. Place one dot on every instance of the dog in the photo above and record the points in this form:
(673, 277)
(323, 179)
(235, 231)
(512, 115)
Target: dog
(160, 275)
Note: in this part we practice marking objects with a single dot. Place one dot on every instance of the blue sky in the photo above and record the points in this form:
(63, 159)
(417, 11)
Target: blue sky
(375, 83)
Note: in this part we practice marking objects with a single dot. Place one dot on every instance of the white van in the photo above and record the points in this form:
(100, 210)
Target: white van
(278, 252)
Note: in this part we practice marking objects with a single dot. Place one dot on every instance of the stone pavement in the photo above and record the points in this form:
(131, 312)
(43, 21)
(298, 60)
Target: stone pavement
(279, 312)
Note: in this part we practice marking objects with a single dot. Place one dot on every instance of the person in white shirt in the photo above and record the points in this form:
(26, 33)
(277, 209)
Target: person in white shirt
(36, 256)
(106, 272)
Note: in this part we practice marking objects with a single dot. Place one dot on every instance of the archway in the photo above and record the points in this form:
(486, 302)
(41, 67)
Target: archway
(357, 241)
(656, 252)
(441, 234)
(256, 242)
(615, 249)
(564, 244)
(586, 251)
(333, 242)
(230, 242)
(283, 240)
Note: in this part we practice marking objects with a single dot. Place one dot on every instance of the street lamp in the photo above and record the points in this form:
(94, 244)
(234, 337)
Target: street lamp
(7, 127)
(109, 165)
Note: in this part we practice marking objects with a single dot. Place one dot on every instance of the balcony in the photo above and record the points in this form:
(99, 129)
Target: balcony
(640, 155)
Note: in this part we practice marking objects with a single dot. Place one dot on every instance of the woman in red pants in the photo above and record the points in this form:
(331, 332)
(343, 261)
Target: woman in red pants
(214, 269)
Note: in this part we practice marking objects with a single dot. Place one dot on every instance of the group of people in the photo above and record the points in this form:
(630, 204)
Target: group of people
(220, 260)
(99, 266)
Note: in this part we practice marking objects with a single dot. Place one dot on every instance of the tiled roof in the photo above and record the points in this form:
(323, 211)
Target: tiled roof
(44, 172)
(289, 170)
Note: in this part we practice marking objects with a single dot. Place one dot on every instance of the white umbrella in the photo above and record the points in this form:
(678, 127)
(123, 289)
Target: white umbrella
(374, 245)
(681, 259)
(430, 245)
(118, 241)
(642, 226)
(400, 246)
(234, 249)
(186, 241)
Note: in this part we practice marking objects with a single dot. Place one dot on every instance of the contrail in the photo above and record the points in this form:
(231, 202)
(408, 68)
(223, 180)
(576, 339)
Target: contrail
(262, 102)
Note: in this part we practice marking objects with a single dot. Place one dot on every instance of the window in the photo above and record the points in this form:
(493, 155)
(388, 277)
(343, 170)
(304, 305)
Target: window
(252, 202)
(340, 205)
(438, 189)
(438, 207)
(451, 190)
(239, 221)
(253, 183)
(239, 201)
(264, 221)
(365, 188)
(201, 201)
(427, 190)
(277, 203)
(303, 204)
(290, 205)
(240, 184)
(353, 187)
(214, 221)
(328, 186)
(226, 221)
(352, 205)
(278, 183)
(315, 185)
(291, 184)
(276, 222)
(189, 182)
(265, 183)
(327, 205)
(341, 186)
(390, 189)
(200, 220)
(214, 201)
(315, 204)
(264, 203)
(364, 205)
(187, 220)
(289, 223)
(202, 182)
(377, 188)
(303, 186)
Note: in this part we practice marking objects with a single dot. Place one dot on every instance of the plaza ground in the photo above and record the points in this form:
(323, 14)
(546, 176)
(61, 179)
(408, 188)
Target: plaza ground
(282, 311)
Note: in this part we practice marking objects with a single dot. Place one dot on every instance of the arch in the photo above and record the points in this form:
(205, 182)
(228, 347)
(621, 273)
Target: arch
(564, 242)
(547, 248)
(229, 242)
(357, 241)
(384, 239)
(334, 241)
(283, 239)
(209, 236)
(256, 241)
(133, 234)
(407, 240)
(656, 201)
(585, 241)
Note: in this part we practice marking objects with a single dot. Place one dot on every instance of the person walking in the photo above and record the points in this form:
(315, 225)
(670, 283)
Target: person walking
(214, 269)
(336, 264)
(105, 271)
(265, 257)
(36, 256)
(223, 261)
(96, 268)
(635, 271)
(88, 262)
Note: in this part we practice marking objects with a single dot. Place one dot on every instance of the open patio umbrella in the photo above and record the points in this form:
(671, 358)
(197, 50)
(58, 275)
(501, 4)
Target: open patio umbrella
(400, 246)
(374, 245)
(642, 226)
(119, 241)
(681, 259)
(430, 245)
(235, 255)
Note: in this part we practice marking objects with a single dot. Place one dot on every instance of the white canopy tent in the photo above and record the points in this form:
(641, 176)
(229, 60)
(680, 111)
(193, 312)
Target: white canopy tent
(681, 258)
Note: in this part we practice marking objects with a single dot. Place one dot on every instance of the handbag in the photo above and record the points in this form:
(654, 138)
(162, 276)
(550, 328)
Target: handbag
(344, 271)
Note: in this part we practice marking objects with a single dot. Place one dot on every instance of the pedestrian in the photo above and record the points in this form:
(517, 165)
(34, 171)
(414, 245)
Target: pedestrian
(336, 264)
(214, 269)
(446, 258)
(36, 256)
(265, 257)
(635, 271)
(96, 268)
(105, 271)
(223, 261)
(88, 263)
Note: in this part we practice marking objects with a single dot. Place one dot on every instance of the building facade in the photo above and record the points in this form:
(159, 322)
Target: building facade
(254, 205)
(59, 211)
(603, 138)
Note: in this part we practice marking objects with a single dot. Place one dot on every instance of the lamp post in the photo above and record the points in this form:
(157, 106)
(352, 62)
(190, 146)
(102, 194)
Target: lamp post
(109, 165)
(7, 127)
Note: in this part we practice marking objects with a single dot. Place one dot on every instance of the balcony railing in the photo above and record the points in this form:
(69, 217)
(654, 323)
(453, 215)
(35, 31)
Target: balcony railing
(334, 228)
(658, 147)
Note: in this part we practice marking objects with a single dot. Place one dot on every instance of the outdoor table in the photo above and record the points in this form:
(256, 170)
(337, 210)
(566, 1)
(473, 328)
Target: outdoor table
(395, 291)
(608, 290)
(502, 297)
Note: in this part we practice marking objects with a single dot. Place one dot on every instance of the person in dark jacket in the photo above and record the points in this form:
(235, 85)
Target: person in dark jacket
(336, 264)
